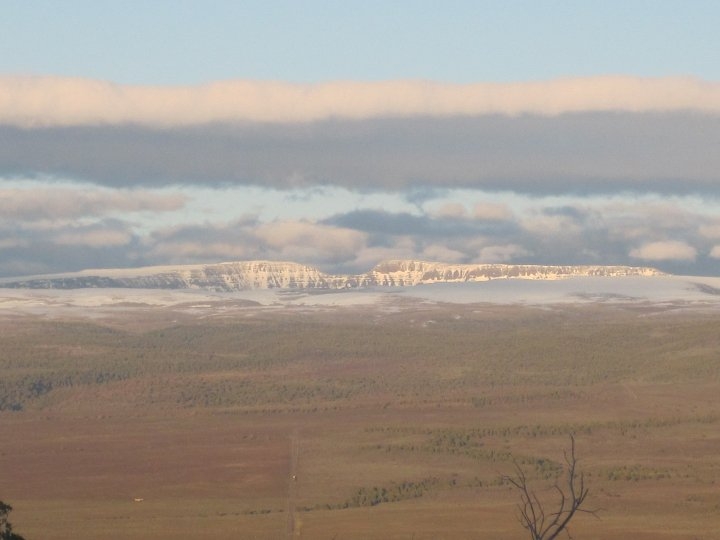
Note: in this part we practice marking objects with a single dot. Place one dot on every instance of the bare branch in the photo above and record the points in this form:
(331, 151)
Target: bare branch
(532, 514)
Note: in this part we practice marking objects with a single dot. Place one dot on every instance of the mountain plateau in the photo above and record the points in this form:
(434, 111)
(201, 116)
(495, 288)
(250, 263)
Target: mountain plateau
(251, 275)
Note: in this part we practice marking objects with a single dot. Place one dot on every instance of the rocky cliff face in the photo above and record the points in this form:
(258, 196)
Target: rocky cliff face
(231, 276)
(406, 273)
(235, 276)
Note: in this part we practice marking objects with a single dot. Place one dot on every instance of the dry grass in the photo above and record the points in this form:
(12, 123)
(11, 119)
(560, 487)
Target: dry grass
(404, 422)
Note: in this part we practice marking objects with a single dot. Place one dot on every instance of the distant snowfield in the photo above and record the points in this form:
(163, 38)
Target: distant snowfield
(678, 291)
(702, 291)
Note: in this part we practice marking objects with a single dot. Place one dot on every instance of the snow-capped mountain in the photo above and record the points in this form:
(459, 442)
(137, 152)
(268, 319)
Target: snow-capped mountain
(249, 275)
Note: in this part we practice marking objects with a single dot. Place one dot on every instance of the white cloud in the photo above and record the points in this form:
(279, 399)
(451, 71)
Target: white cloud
(56, 101)
(669, 250)
(49, 203)
(543, 224)
(492, 211)
(450, 210)
(441, 253)
(280, 233)
(710, 230)
(302, 237)
(715, 252)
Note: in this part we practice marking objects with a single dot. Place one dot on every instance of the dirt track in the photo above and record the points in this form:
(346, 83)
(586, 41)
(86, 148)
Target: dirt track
(292, 483)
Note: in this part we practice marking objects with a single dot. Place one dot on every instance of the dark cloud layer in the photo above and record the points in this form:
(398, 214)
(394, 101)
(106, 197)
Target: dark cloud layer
(379, 222)
(577, 153)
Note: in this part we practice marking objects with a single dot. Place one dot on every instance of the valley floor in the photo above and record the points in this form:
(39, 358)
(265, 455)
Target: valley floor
(395, 420)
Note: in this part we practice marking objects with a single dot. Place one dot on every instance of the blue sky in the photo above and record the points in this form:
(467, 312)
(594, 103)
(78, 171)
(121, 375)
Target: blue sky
(340, 134)
(176, 42)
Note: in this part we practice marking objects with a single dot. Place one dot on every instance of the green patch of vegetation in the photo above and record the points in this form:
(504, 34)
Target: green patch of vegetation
(392, 492)
(484, 363)
(635, 473)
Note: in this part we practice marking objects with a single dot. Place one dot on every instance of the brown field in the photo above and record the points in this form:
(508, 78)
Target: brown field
(397, 424)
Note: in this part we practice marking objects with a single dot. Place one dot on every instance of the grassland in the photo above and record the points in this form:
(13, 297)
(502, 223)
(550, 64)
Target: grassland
(396, 424)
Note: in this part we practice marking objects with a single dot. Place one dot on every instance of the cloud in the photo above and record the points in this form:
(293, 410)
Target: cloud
(94, 238)
(198, 243)
(710, 230)
(581, 230)
(56, 101)
(304, 240)
(552, 224)
(440, 252)
(492, 211)
(501, 254)
(9, 243)
(346, 243)
(292, 240)
(583, 153)
(67, 248)
(451, 210)
(187, 251)
(482, 211)
(41, 230)
(669, 250)
(32, 204)
(380, 222)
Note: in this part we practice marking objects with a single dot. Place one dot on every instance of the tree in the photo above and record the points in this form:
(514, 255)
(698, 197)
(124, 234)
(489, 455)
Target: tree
(533, 514)
(5, 526)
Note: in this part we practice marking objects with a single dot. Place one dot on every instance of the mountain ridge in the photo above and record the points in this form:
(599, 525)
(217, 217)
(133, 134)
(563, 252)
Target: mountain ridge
(259, 274)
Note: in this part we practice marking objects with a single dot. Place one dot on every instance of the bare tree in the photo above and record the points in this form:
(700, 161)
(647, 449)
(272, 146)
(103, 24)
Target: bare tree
(534, 515)
(6, 532)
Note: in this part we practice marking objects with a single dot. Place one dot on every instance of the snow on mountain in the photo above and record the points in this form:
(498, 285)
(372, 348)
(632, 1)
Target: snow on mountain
(252, 275)
(405, 273)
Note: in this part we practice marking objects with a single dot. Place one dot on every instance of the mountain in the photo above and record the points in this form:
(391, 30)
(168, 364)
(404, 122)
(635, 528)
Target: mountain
(408, 273)
(248, 275)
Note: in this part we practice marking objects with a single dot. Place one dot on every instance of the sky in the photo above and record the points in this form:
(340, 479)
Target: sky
(341, 134)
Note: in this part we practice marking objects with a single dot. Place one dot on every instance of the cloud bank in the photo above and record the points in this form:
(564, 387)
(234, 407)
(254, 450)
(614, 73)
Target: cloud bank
(56, 101)
(606, 170)
(673, 152)
(109, 229)
(591, 135)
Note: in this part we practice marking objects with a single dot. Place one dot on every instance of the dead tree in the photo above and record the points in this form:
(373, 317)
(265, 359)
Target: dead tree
(534, 515)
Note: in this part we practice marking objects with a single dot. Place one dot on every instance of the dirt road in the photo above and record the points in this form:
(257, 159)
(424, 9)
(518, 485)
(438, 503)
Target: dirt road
(292, 483)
